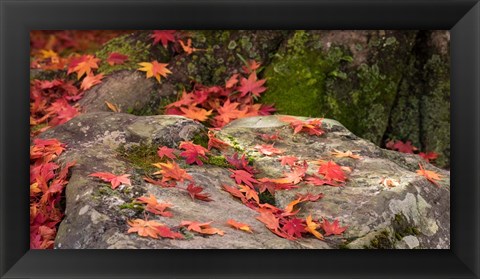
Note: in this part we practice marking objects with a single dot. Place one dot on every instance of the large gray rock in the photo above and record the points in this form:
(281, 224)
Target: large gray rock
(414, 214)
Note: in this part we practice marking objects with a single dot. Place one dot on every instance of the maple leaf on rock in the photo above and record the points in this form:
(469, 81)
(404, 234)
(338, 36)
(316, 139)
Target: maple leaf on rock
(85, 65)
(312, 127)
(196, 113)
(312, 227)
(429, 175)
(271, 138)
(91, 80)
(116, 58)
(251, 85)
(155, 69)
(193, 152)
(346, 154)
(291, 205)
(309, 197)
(228, 112)
(151, 229)
(288, 160)
(234, 192)
(249, 193)
(112, 178)
(333, 172)
(172, 171)
(242, 176)
(268, 150)
(166, 152)
(240, 163)
(112, 107)
(203, 228)
(332, 228)
(294, 227)
(239, 226)
(214, 142)
(154, 206)
(195, 192)
(164, 36)
(165, 184)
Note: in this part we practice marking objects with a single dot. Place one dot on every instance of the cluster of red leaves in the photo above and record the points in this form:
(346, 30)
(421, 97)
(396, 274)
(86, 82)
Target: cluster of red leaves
(51, 103)
(47, 181)
(407, 147)
(219, 105)
(284, 222)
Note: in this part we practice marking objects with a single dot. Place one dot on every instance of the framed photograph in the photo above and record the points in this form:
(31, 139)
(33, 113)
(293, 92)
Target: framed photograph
(240, 139)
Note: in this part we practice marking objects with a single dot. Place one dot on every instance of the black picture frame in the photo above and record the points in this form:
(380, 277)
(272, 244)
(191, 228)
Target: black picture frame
(18, 17)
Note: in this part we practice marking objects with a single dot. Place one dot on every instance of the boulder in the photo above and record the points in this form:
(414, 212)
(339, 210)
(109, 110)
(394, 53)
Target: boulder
(413, 214)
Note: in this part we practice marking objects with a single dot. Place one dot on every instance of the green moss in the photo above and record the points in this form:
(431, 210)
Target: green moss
(381, 241)
(402, 227)
(201, 139)
(267, 197)
(133, 205)
(141, 156)
(218, 161)
(136, 50)
(296, 79)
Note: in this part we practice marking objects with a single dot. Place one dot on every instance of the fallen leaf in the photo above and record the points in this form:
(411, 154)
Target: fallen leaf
(112, 107)
(429, 175)
(155, 69)
(113, 179)
(116, 58)
(332, 228)
(312, 228)
(346, 154)
(239, 226)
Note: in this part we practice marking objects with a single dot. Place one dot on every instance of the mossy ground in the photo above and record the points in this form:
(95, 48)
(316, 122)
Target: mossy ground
(141, 156)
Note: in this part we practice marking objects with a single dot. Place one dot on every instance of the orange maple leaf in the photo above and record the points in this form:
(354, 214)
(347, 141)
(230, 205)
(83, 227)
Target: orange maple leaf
(188, 47)
(115, 180)
(151, 229)
(239, 226)
(86, 65)
(346, 154)
(91, 80)
(429, 175)
(312, 228)
(154, 206)
(196, 113)
(154, 69)
(172, 171)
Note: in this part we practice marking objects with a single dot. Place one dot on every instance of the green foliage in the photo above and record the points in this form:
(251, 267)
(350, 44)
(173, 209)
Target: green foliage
(136, 50)
(141, 156)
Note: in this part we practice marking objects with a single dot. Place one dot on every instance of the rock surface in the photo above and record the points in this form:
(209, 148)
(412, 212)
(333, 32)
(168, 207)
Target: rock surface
(414, 214)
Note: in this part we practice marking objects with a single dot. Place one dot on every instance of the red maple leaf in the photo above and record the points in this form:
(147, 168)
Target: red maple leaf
(232, 81)
(251, 66)
(288, 160)
(115, 180)
(242, 176)
(268, 150)
(332, 228)
(317, 181)
(193, 152)
(294, 227)
(228, 112)
(400, 146)
(213, 142)
(309, 197)
(91, 80)
(332, 172)
(240, 163)
(429, 156)
(172, 171)
(163, 36)
(195, 193)
(251, 85)
(154, 206)
(234, 192)
(166, 152)
(116, 58)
